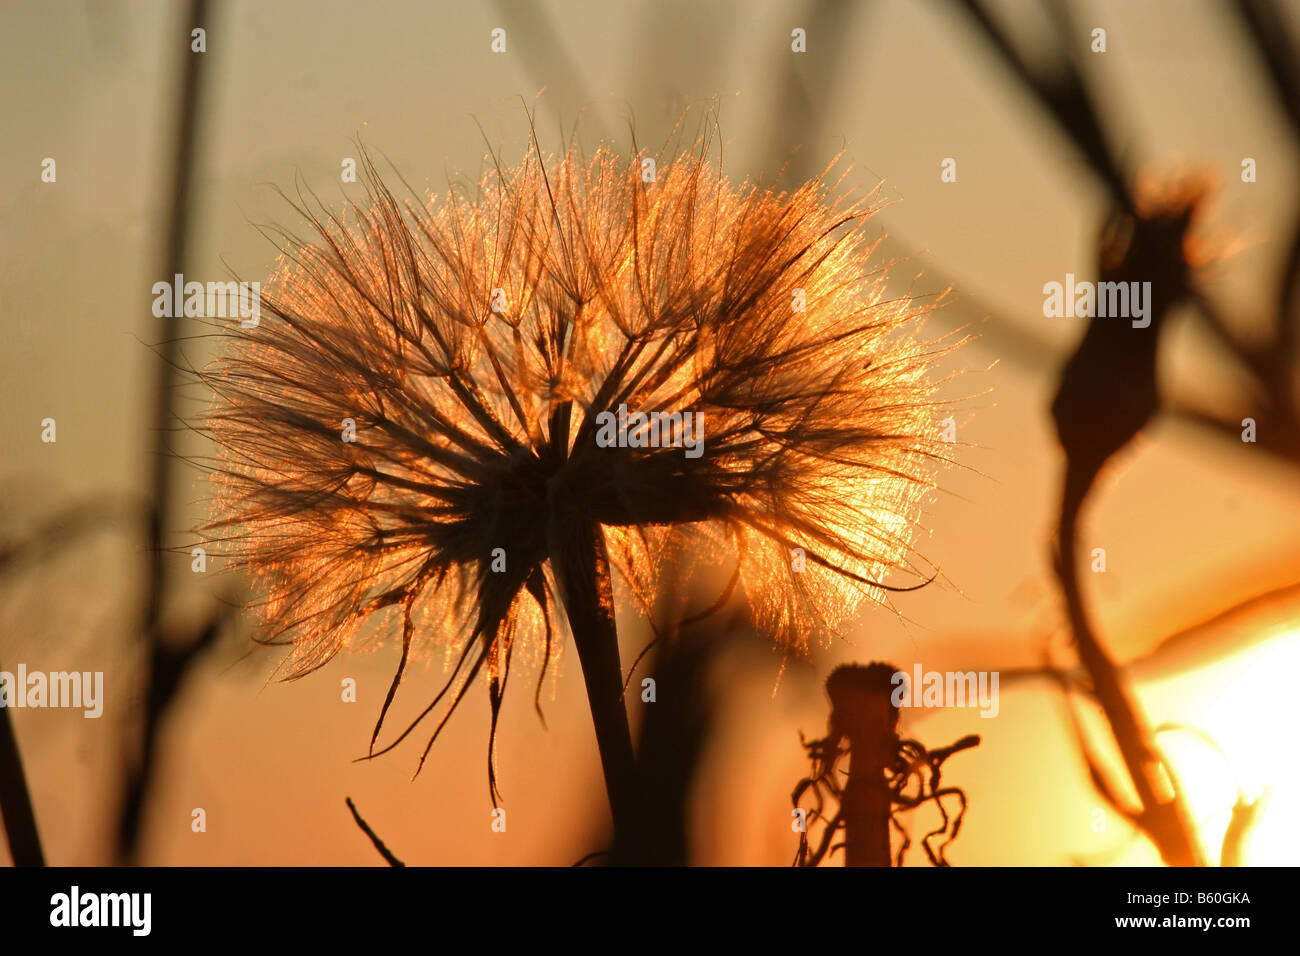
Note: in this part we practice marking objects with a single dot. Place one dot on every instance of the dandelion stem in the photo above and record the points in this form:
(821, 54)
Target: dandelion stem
(581, 566)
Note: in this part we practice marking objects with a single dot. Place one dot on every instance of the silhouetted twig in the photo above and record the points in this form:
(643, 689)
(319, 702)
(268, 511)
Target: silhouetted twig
(16, 801)
(386, 853)
(1267, 28)
(1064, 96)
(1108, 393)
(673, 734)
(1066, 100)
(1106, 396)
(166, 669)
(168, 666)
(50, 535)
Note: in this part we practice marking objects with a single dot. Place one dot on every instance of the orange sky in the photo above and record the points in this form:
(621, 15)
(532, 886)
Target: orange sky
(1190, 527)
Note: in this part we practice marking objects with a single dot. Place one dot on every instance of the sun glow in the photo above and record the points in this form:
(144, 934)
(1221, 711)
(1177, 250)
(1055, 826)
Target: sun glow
(1245, 704)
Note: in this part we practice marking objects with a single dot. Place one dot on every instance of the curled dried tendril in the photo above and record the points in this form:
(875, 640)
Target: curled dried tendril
(913, 779)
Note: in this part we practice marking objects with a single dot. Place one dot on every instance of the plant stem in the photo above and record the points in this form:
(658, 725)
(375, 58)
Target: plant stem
(863, 712)
(1165, 817)
(16, 801)
(386, 853)
(866, 809)
(139, 757)
(581, 566)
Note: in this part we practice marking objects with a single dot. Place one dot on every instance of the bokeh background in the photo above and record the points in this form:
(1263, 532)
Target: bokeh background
(1197, 525)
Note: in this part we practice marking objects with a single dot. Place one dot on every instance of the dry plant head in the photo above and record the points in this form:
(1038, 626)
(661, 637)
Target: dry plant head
(1170, 224)
(865, 776)
(474, 337)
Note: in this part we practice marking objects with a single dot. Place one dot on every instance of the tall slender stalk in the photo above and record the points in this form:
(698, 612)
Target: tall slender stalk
(864, 714)
(581, 565)
(1164, 814)
(15, 799)
(140, 749)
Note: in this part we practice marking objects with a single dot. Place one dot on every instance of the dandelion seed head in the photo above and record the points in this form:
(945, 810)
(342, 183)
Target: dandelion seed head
(473, 338)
